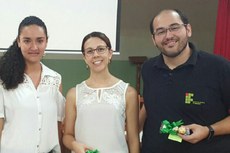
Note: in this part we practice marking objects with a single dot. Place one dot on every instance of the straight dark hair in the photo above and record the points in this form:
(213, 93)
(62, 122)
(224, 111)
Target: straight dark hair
(100, 35)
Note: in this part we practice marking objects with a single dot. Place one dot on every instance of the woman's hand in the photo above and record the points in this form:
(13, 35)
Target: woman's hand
(80, 148)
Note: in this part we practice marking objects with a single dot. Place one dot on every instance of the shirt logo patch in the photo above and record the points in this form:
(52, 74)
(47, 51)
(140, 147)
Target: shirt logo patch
(189, 99)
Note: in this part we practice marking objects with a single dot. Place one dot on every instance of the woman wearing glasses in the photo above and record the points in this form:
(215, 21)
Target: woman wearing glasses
(101, 108)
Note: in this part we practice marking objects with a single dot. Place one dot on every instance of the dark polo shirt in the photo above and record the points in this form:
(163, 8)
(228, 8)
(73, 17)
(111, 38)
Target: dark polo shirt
(197, 91)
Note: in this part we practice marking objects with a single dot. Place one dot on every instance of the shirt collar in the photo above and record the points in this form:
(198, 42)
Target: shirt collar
(47, 71)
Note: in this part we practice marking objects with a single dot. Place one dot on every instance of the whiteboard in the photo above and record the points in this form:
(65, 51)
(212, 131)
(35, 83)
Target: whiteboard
(67, 21)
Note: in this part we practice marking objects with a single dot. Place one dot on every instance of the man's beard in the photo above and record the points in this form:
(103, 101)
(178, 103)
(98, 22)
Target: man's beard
(172, 54)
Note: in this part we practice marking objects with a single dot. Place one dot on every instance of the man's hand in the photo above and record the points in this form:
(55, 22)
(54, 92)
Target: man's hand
(198, 133)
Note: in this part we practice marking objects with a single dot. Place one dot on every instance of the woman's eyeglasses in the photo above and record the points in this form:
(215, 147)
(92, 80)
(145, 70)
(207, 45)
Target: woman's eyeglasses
(100, 50)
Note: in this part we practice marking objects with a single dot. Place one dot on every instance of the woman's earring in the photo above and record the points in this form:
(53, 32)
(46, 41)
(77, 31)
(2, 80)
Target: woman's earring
(87, 66)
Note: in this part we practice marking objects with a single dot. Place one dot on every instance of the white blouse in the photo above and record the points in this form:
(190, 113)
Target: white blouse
(31, 115)
(101, 117)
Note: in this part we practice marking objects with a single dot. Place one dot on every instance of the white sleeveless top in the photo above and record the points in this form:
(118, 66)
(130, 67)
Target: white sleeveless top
(100, 121)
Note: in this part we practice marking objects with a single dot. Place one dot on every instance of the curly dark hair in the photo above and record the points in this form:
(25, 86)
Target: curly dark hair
(12, 63)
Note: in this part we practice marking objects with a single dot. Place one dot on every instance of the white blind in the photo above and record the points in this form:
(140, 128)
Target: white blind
(67, 21)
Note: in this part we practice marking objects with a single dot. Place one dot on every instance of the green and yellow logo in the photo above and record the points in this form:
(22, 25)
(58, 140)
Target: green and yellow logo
(189, 99)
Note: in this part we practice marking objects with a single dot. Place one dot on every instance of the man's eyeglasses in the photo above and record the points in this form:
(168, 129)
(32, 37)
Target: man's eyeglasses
(172, 28)
(99, 50)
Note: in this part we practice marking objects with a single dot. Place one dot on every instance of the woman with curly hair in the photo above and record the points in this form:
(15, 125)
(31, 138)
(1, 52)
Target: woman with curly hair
(31, 103)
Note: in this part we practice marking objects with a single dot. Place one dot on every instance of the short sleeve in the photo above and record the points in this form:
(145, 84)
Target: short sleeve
(60, 106)
(225, 85)
(60, 99)
(2, 112)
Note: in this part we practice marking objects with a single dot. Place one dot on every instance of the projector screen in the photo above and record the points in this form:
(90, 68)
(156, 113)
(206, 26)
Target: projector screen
(67, 21)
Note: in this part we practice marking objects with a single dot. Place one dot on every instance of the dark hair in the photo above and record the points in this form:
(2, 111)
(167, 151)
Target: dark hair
(183, 18)
(100, 35)
(12, 64)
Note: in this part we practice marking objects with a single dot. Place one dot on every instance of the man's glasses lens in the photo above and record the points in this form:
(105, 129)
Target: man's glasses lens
(172, 28)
